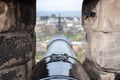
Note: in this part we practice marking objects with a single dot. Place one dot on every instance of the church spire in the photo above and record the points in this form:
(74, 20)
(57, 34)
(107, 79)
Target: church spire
(60, 28)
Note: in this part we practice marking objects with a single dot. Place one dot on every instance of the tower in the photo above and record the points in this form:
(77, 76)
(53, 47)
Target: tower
(59, 26)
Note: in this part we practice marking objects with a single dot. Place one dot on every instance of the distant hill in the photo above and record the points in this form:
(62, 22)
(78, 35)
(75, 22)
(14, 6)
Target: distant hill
(63, 13)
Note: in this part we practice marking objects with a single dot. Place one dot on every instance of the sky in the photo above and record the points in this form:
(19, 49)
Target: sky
(59, 5)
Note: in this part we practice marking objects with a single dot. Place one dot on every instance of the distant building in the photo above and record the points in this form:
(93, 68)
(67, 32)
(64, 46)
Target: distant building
(44, 18)
(53, 16)
(69, 24)
(70, 18)
(52, 21)
(76, 19)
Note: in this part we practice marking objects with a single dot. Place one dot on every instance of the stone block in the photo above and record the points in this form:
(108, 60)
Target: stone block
(107, 17)
(107, 76)
(7, 16)
(105, 50)
(14, 73)
(16, 49)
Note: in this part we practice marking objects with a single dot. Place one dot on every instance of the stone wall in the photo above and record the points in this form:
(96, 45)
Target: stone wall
(101, 21)
(17, 38)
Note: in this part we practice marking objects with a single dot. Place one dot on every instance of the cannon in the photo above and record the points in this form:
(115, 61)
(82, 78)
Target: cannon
(59, 62)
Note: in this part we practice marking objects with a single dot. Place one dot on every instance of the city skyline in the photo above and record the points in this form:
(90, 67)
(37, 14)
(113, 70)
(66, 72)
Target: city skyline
(63, 13)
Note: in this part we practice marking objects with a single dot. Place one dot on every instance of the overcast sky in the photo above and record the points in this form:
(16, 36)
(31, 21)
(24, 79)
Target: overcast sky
(59, 5)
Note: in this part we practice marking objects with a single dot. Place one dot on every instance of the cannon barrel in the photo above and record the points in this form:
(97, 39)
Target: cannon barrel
(59, 62)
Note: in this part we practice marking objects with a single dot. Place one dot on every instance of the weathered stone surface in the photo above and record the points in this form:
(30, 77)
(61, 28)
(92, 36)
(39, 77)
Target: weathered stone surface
(16, 50)
(106, 17)
(15, 46)
(14, 73)
(105, 50)
(26, 15)
(17, 15)
(17, 39)
(107, 76)
(7, 16)
(101, 22)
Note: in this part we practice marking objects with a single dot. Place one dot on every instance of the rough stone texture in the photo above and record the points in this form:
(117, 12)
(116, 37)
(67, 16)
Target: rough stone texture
(14, 73)
(101, 22)
(17, 39)
(106, 18)
(107, 76)
(105, 50)
(6, 14)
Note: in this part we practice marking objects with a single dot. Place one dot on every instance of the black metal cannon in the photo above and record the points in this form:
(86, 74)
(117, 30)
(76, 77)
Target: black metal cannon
(117, 76)
(59, 62)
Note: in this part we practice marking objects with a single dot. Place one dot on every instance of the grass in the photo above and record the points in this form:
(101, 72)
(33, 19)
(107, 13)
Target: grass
(39, 55)
(81, 55)
(72, 37)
